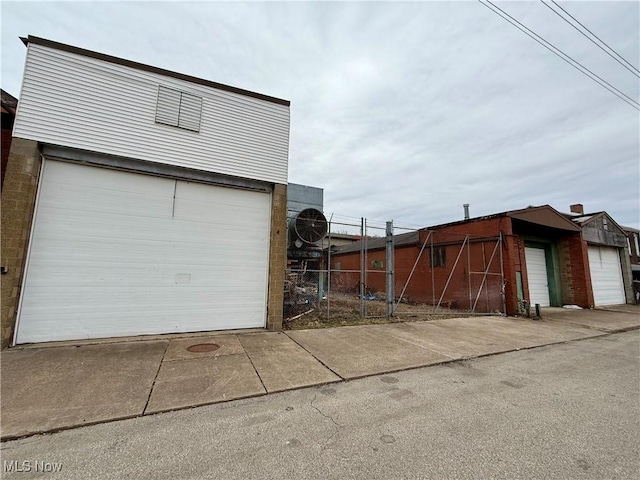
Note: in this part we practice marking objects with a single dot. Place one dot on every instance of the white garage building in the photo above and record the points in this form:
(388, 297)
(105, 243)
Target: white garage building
(160, 205)
(609, 265)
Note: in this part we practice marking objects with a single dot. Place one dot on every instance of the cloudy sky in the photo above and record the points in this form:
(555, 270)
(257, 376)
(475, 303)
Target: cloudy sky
(399, 111)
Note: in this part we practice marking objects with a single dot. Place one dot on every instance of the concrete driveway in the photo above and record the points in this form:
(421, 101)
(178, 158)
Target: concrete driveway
(48, 388)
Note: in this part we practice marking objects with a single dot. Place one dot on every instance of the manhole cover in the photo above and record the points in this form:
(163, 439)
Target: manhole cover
(203, 347)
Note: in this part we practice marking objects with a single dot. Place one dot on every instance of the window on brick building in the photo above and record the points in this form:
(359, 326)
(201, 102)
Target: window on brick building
(635, 238)
(629, 246)
(439, 257)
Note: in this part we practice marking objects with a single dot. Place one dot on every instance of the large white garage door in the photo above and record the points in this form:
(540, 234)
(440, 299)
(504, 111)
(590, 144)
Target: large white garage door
(606, 276)
(116, 253)
(537, 275)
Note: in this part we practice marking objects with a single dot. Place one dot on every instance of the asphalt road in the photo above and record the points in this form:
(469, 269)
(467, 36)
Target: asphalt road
(566, 411)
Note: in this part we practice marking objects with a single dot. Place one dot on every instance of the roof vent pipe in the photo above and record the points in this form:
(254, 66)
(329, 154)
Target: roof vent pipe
(466, 211)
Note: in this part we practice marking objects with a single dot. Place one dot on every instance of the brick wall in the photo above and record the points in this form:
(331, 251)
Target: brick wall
(514, 261)
(277, 257)
(18, 201)
(575, 277)
(566, 280)
(427, 282)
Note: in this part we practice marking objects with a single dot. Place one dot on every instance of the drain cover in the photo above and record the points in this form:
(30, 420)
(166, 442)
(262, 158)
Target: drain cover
(203, 347)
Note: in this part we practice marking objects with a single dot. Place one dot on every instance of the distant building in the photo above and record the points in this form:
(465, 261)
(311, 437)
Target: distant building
(633, 247)
(541, 261)
(339, 240)
(609, 265)
(545, 257)
(9, 105)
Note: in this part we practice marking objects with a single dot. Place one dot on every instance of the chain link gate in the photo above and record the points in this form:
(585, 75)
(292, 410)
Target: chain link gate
(451, 274)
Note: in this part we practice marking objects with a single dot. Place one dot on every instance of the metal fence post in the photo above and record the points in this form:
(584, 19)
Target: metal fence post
(433, 275)
(469, 270)
(362, 267)
(502, 285)
(329, 270)
(390, 269)
(366, 267)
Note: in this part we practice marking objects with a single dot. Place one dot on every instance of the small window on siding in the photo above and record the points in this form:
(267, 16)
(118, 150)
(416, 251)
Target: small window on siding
(605, 225)
(439, 257)
(178, 109)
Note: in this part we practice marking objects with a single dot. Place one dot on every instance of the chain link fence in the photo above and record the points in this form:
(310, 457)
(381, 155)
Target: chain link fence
(363, 272)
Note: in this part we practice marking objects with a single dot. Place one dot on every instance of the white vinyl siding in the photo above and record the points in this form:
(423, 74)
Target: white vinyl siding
(86, 103)
(606, 276)
(116, 253)
(537, 275)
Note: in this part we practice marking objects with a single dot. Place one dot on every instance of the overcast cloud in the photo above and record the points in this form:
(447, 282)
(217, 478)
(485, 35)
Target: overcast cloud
(399, 111)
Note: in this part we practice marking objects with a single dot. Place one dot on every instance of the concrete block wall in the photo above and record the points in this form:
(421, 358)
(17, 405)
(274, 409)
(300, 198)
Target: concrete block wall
(277, 257)
(18, 202)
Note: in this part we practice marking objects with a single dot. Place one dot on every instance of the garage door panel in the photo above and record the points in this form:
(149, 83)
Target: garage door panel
(193, 233)
(83, 202)
(110, 192)
(606, 276)
(62, 176)
(218, 211)
(95, 228)
(537, 276)
(139, 302)
(101, 269)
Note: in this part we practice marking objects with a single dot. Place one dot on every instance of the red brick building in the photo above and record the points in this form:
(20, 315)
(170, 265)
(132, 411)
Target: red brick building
(485, 264)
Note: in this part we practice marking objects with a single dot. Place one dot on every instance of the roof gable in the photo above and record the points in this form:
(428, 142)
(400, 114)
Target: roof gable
(590, 218)
(544, 215)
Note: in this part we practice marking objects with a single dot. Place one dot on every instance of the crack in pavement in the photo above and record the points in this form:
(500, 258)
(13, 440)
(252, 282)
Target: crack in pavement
(337, 425)
(322, 413)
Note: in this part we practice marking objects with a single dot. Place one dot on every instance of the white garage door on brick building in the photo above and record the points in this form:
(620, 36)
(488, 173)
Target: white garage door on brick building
(116, 253)
(606, 276)
(161, 204)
